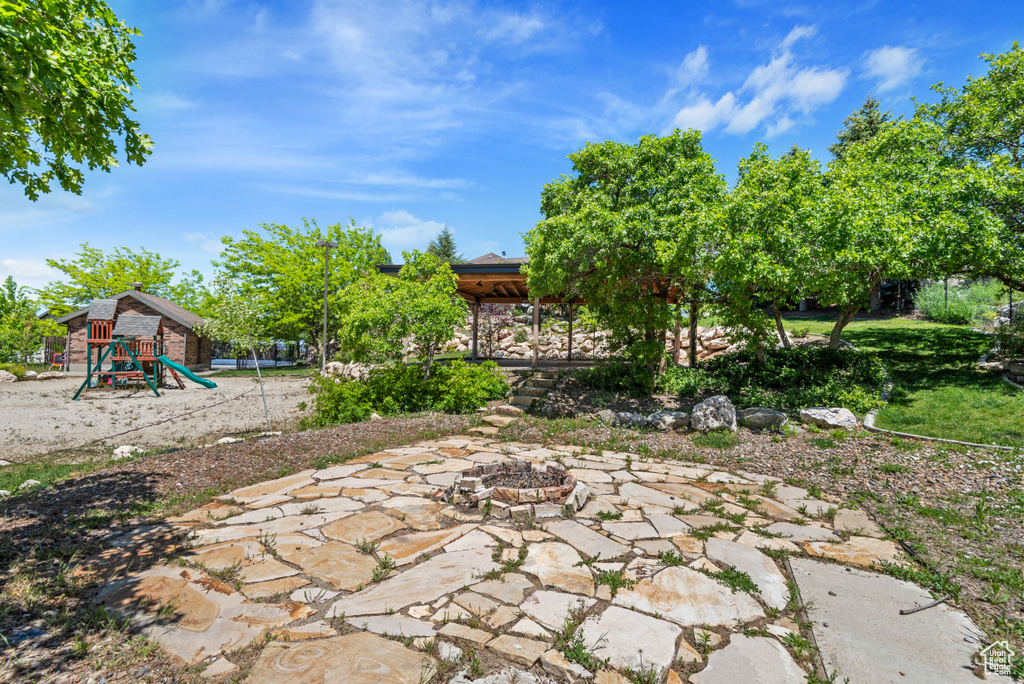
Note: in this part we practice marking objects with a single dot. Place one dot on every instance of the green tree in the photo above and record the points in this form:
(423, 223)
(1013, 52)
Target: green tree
(443, 247)
(612, 234)
(381, 313)
(237, 319)
(282, 269)
(21, 330)
(64, 92)
(983, 123)
(897, 207)
(863, 124)
(93, 274)
(769, 221)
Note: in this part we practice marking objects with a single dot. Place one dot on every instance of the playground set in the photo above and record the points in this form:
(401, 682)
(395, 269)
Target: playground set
(132, 346)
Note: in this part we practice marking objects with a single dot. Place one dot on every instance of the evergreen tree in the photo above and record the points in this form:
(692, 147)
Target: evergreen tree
(863, 124)
(443, 247)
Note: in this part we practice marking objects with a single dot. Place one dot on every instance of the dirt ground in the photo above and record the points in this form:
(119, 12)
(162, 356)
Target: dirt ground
(37, 418)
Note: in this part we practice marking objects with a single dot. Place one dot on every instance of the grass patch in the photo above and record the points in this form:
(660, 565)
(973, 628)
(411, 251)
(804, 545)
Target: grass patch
(718, 439)
(939, 390)
(295, 371)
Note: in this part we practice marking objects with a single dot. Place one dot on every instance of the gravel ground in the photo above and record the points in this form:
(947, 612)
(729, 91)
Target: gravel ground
(45, 534)
(40, 417)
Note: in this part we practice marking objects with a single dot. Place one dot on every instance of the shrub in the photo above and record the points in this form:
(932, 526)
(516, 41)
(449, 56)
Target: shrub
(453, 387)
(965, 304)
(788, 380)
(520, 335)
(618, 376)
(16, 369)
(1011, 337)
(345, 401)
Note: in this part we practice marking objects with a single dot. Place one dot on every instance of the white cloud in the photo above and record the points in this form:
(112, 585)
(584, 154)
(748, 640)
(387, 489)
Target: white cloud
(772, 95)
(211, 245)
(401, 231)
(28, 272)
(693, 68)
(796, 34)
(515, 28)
(893, 66)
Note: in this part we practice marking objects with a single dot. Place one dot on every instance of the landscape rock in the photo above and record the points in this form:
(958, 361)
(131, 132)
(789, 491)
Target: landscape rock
(633, 420)
(761, 418)
(30, 375)
(714, 413)
(50, 375)
(828, 417)
(669, 420)
(7, 377)
(606, 415)
(127, 451)
(28, 484)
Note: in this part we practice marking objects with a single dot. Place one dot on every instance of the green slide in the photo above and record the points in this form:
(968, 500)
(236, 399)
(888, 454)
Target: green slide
(178, 368)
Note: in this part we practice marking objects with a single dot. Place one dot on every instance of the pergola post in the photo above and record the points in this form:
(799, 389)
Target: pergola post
(476, 321)
(569, 357)
(536, 330)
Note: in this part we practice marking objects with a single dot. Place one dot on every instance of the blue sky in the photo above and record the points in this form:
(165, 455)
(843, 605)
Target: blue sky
(410, 115)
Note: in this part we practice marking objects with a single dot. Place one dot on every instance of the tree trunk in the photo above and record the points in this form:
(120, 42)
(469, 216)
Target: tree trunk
(778, 324)
(663, 359)
(846, 315)
(693, 332)
(428, 362)
(759, 351)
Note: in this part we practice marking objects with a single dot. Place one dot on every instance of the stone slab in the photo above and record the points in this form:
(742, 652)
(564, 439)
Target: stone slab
(360, 658)
(337, 563)
(369, 526)
(868, 640)
(550, 608)
(519, 650)
(752, 660)
(688, 597)
(407, 548)
(586, 540)
(770, 581)
(393, 625)
(631, 640)
(425, 583)
(558, 565)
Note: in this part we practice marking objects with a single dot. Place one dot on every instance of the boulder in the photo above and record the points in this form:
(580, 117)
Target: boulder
(1015, 368)
(634, 420)
(607, 416)
(761, 418)
(828, 417)
(30, 375)
(50, 375)
(669, 420)
(29, 484)
(715, 413)
(7, 377)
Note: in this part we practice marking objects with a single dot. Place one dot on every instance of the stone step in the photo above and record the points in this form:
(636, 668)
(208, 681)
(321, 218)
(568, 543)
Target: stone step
(525, 402)
(532, 391)
(540, 382)
(545, 375)
(506, 410)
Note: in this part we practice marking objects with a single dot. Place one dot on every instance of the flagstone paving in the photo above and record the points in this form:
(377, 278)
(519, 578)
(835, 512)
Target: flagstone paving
(362, 572)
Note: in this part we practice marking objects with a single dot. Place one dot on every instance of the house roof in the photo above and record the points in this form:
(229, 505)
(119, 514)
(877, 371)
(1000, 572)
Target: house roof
(102, 309)
(163, 306)
(134, 325)
(492, 258)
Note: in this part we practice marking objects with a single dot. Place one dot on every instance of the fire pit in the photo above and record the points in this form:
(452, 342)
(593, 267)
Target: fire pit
(499, 486)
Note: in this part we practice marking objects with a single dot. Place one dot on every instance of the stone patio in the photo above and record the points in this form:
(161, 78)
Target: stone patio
(361, 573)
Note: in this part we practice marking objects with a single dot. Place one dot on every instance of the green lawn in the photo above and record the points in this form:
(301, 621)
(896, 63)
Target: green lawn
(251, 372)
(939, 390)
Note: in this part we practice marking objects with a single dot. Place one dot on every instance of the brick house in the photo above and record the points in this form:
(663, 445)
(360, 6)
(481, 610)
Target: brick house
(181, 343)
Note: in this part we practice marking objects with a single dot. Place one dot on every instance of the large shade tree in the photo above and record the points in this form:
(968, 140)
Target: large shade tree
(94, 274)
(612, 234)
(768, 222)
(983, 128)
(282, 269)
(65, 90)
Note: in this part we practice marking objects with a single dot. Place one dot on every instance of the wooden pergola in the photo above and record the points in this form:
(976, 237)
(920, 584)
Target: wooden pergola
(504, 283)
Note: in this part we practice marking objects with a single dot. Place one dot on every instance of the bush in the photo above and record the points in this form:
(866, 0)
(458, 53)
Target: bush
(453, 387)
(520, 335)
(1011, 337)
(618, 376)
(345, 401)
(966, 303)
(16, 369)
(788, 380)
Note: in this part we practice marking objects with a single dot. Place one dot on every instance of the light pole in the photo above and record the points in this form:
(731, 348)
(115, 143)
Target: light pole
(326, 244)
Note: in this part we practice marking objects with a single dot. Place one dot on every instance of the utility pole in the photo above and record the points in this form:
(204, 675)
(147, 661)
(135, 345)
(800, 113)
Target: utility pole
(326, 244)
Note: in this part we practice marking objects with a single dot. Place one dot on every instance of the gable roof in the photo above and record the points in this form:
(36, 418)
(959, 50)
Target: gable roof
(135, 325)
(492, 258)
(163, 306)
(102, 310)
